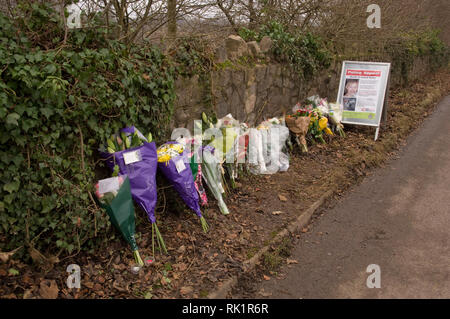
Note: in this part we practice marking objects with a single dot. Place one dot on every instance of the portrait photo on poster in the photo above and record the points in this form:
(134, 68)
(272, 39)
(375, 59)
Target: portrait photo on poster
(351, 88)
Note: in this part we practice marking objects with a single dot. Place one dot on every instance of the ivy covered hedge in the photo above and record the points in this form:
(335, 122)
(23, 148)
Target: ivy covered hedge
(425, 44)
(60, 95)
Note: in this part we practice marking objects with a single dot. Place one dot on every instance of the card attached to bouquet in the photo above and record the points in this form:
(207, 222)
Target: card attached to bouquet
(132, 157)
(180, 166)
(108, 185)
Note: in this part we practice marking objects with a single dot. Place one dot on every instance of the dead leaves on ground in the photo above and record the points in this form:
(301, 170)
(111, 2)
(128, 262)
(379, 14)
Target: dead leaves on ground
(187, 290)
(5, 256)
(48, 289)
(291, 261)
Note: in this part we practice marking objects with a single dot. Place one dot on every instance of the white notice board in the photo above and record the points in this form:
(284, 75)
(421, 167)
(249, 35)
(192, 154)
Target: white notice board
(362, 92)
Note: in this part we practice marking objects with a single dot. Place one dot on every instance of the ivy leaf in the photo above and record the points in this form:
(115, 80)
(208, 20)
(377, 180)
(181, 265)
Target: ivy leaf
(12, 187)
(9, 198)
(38, 57)
(51, 68)
(12, 119)
(70, 248)
(2, 112)
(72, 99)
(27, 124)
(13, 272)
(19, 58)
(77, 61)
(166, 98)
(92, 123)
(80, 38)
(47, 112)
(47, 204)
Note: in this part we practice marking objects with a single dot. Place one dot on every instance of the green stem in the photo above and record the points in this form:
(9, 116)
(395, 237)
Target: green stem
(233, 183)
(160, 239)
(204, 224)
(304, 148)
(224, 184)
(137, 258)
(159, 243)
(153, 239)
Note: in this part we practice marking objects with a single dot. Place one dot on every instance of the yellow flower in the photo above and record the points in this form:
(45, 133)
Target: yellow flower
(323, 123)
(163, 158)
(328, 131)
(167, 151)
(177, 147)
(162, 149)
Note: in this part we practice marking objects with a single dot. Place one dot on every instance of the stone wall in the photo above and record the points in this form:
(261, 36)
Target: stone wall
(253, 93)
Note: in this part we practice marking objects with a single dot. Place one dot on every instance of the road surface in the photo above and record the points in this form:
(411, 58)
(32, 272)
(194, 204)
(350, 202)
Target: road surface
(398, 219)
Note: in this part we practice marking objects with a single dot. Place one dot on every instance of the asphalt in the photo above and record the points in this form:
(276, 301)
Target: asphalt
(398, 218)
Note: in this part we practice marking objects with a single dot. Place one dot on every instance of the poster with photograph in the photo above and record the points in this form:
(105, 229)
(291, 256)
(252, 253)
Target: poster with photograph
(362, 92)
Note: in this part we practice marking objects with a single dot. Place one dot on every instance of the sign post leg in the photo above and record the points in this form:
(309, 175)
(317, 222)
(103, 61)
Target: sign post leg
(376, 133)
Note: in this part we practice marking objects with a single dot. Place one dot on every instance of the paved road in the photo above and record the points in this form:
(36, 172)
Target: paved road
(398, 218)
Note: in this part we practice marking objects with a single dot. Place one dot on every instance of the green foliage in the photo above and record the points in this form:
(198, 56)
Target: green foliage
(426, 44)
(248, 35)
(58, 102)
(227, 64)
(305, 53)
(190, 57)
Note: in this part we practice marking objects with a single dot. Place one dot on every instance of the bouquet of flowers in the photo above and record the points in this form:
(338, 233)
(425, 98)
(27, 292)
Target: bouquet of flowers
(194, 147)
(318, 103)
(332, 111)
(299, 123)
(114, 195)
(335, 116)
(256, 162)
(172, 163)
(208, 168)
(266, 153)
(315, 127)
(135, 156)
(213, 176)
(225, 148)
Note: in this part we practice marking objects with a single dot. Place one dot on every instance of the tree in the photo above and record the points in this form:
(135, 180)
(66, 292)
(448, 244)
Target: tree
(172, 18)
